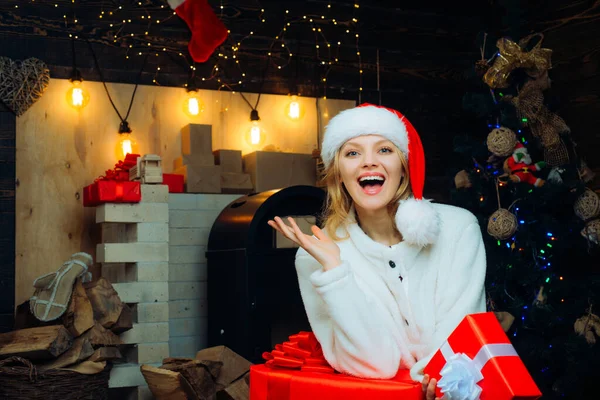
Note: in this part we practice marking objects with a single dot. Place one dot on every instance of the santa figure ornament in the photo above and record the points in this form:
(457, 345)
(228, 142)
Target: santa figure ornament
(208, 32)
(519, 167)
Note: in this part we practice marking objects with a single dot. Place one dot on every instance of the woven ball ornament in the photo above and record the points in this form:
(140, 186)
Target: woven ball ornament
(591, 232)
(587, 205)
(501, 141)
(461, 180)
(587, 326)
(502, 224)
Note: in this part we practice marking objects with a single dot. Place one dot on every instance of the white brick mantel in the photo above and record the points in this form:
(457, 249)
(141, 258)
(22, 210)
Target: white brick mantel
(191, 217)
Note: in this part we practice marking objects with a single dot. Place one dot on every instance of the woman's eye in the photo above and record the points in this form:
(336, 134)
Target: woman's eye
(386, 150)
(351, 153)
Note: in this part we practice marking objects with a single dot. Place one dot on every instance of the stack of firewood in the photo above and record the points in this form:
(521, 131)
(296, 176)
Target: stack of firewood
(83, 339)
(216, 373)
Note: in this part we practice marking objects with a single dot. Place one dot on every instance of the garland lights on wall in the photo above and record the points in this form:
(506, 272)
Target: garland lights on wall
(279, 55)
(155, 13)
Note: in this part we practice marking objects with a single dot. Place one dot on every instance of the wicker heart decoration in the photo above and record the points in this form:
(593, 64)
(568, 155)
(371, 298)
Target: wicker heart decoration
(22, 83)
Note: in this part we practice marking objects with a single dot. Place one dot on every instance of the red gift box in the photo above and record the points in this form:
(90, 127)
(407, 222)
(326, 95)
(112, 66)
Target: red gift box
(101, 192)
(297, 370)
(174, 182)
(478, 357)
(114, 186)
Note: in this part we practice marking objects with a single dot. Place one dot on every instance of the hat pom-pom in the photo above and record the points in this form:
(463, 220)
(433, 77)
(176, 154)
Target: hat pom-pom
(418, 222)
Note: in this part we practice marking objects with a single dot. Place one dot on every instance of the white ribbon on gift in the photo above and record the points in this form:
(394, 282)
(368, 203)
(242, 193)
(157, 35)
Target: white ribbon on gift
(461, 374)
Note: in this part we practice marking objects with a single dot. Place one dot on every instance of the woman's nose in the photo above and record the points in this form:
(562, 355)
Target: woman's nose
(369, 159)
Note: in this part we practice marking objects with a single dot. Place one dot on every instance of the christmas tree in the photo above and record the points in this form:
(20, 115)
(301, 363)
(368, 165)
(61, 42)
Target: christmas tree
(517, 170)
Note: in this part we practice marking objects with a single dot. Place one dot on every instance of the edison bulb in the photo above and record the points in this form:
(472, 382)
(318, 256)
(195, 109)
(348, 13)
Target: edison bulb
(294, 110)
(255, 135)
(125, 145)
(77, 96)
(193, 105)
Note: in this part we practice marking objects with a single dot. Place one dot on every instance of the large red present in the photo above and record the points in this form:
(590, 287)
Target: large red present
(102, 191)
(297, 370)
(478, 362)
(114, 186)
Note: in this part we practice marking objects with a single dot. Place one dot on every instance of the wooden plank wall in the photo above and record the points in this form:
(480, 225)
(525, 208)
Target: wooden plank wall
(7, 218)
(60, 151)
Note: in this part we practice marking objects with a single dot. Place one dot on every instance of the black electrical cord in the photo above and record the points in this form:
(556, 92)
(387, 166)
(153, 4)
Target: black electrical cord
(123, 120)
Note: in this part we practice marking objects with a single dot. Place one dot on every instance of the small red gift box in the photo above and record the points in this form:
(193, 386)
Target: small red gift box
(297, 370)
(479, 362)
(174, 182)
(103, 191)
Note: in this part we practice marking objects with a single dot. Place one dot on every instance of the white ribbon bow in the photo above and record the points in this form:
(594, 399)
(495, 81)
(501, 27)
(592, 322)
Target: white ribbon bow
(461, 374)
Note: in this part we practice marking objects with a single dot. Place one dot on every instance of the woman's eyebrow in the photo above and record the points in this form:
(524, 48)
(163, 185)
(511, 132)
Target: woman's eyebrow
(351, 143)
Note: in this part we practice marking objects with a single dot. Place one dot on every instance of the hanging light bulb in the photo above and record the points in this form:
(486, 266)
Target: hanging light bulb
(77, 96)
(255, 136)
(126, 143)
(294, 110)
(193, 105)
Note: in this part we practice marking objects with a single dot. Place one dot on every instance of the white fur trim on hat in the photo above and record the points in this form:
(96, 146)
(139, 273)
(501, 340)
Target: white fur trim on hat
(418, 222)
(175, 3)
(362, 121)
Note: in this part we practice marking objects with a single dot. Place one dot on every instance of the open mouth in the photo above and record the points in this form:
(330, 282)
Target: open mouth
(371, 184)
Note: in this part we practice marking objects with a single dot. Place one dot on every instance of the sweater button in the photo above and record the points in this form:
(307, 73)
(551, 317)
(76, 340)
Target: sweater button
(392, 264)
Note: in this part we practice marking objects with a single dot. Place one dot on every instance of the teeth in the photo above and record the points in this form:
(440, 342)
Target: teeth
(371, 178)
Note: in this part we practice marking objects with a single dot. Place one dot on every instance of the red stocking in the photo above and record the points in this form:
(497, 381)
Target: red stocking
(208, 32)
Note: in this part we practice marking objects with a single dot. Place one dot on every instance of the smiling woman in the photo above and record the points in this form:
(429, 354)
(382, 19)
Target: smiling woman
(372, 281)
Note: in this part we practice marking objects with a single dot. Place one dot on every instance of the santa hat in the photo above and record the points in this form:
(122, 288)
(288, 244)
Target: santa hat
(208, 32)
(416, 218)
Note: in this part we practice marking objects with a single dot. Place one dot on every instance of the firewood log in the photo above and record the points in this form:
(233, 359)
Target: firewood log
(105, 354)
(238, 390)
(234, 365)
(81, 349)
(79, 316)
(105, 301)
(167, 385)
(100, 336)
(125, 321)
(198, 375)
(36, 343)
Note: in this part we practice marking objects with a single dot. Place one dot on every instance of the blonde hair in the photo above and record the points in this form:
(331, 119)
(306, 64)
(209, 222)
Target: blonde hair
(337, 207)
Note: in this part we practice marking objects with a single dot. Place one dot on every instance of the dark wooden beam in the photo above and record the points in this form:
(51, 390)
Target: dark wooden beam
(7, 218)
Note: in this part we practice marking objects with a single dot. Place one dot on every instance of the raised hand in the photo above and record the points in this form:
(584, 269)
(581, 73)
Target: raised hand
(322, 248)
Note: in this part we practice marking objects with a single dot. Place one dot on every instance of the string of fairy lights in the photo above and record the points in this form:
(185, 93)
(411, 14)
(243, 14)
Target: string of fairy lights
(136, 27)
(122, 26)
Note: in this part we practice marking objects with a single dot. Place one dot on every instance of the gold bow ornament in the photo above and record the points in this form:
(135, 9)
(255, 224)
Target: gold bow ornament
(512, 56)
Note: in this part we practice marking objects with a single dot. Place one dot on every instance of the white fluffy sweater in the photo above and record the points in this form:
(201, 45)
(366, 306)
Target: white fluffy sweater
(369, 321)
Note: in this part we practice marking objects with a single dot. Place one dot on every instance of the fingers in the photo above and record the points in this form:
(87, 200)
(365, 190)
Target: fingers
(297, 231)
(430, 395)
(274, 225)
(318, 233)
(284, 229)
(428, 386)
(425, 382)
